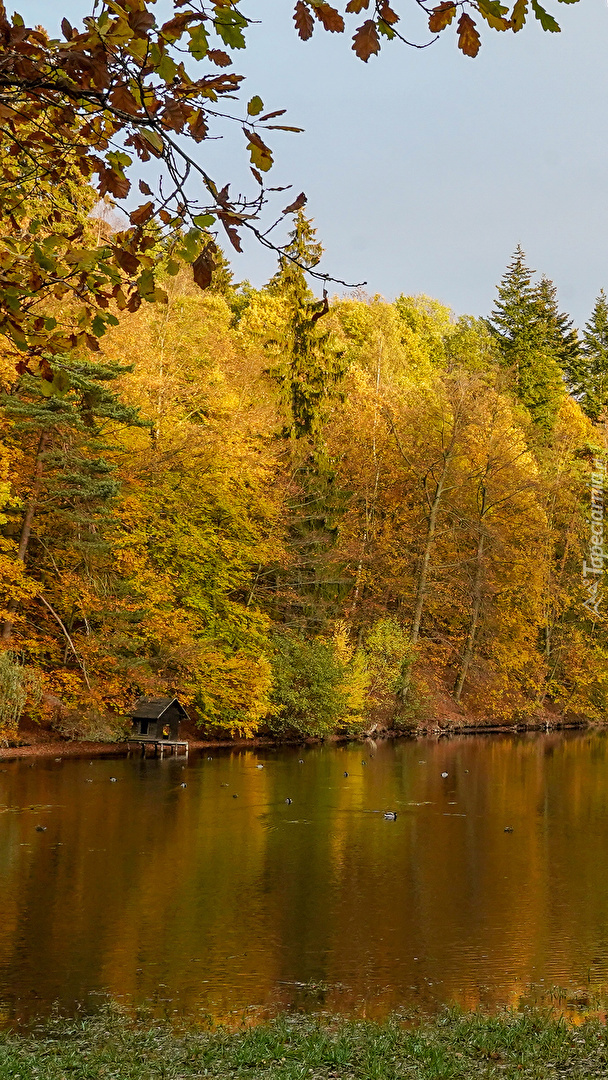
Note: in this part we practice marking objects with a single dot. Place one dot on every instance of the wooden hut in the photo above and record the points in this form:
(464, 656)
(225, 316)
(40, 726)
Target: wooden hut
(158, 719)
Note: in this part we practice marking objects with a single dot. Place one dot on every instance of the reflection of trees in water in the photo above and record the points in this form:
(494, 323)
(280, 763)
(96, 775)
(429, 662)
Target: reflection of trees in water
(192, 898)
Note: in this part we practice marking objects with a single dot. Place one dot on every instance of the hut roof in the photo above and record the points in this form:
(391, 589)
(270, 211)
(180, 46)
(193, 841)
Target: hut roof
(152, 708)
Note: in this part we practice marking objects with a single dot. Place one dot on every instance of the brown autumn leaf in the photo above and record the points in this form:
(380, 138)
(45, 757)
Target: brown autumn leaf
(114, 183)
(66, 29)
(143, 187)
(198, 126)
(303, 20)
(173, 116)
(468, 37)
(355, 6)
(127, 261)
(142, 214)
(387, 14)
(134, 301)
(141, 22)
(227, 221)
(331, 19)
(366, 41)
(123, 99)
(441, 16)
(297, 204)
(219, 57)
(204, 265)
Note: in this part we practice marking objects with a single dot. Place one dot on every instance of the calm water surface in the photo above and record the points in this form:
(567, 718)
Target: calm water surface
(195, 902)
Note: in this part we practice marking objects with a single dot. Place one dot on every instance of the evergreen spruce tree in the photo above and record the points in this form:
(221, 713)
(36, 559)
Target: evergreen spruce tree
(63, 426)
(313, 366)
(309, 374)
(526, 330)
(559, 331)
(587, 374)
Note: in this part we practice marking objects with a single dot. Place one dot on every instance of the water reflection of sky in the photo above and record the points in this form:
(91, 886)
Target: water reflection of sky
(197, 902)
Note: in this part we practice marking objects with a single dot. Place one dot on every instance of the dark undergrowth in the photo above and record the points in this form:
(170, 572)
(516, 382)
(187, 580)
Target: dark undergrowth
(110, 1046)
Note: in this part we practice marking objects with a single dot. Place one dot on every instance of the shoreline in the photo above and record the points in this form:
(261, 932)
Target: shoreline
(57, 747)
(531, 1043)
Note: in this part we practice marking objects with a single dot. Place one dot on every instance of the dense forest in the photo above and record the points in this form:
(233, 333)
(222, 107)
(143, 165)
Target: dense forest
(304, 516)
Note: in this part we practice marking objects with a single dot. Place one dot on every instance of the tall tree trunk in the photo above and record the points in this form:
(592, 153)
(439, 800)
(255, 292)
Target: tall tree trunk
(423, 571)
(370, 504)
(469, 648)
(26, 528)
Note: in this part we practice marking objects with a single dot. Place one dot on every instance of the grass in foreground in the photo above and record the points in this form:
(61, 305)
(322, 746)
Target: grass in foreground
(111, 1047)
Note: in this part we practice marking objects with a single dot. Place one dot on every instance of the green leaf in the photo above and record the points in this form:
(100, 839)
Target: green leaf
(50, 324)
(145, 283)
(199, 42)
(46, 388)
(119, 159)
(190, 245)
(167, 69)
(255, 106)
(61, 383)
(203, 221)
(172, 268)
(491, 7)
(228, 24)
(98, 326)
(43, 260)
(545, 19)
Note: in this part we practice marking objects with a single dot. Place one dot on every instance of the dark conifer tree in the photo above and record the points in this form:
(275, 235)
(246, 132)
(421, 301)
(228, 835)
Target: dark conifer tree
(313, 366)
(63, 426)
(588, 374)
(560, 333)
(309, 375)
(527, 346)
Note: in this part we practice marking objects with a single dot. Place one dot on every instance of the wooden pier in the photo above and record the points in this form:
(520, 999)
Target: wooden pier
(160, 745)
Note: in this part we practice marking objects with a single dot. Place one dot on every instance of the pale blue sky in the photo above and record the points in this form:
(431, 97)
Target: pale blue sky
(425, 169)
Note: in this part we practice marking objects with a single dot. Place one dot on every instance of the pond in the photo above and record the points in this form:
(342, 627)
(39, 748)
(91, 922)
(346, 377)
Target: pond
(220, 898)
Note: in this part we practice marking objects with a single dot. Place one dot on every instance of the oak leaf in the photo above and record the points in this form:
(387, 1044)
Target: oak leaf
(518, 15)
(387, 14)
(468, 36)
(366, 41)
(545, 19)
(297, 204)
(261, 155)
(141, 22)
(331, 19)
(114, 183)
(303, 20)
(441, 16)
(142, 214)
(123, 99)
(127, 261)
(219, 57)
(203, 266)
(355, 6)
(494, 14)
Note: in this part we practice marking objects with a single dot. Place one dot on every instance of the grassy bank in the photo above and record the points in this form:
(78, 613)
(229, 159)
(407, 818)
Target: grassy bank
(530, 1044)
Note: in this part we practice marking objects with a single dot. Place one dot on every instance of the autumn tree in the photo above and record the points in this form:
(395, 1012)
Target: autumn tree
(121, 90)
